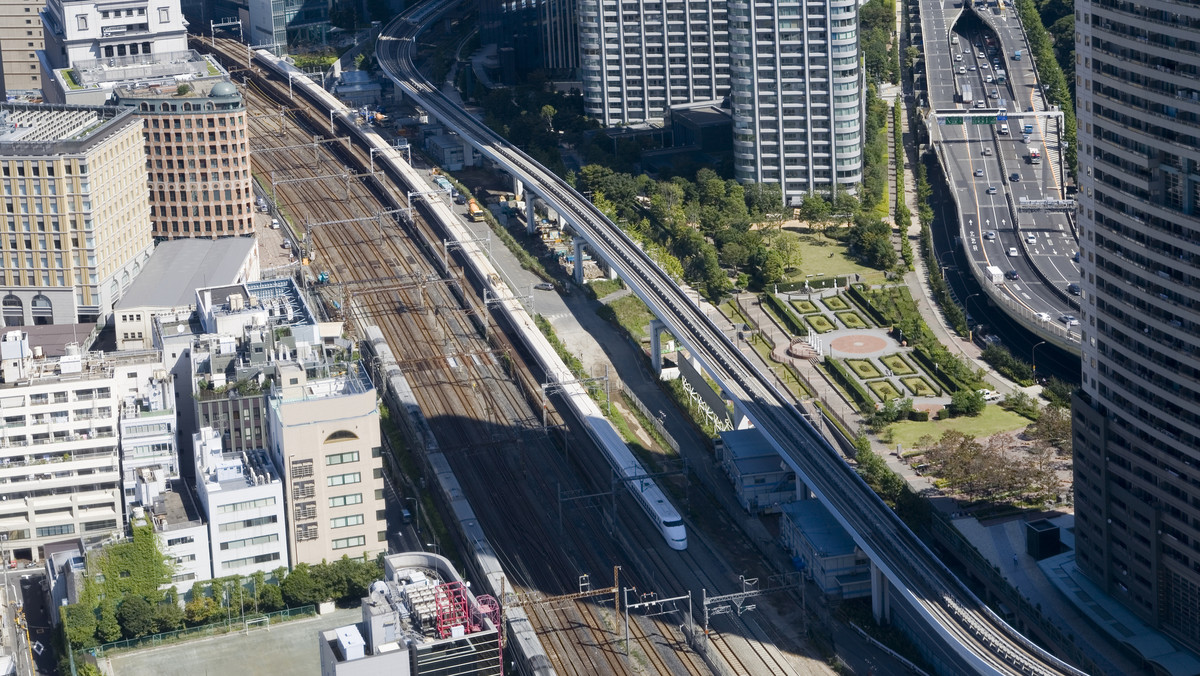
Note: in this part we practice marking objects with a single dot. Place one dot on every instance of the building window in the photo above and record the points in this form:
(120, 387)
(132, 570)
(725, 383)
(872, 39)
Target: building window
(250, 561)
(187, 539)
(343, 479)
(164, 15)
(81, 22)
(249, 504)
(344, 521)
(344, 500)
(341, 458)
(248, 523)
(344, 543)
(250, 542)
(51, 531)
(340, 435)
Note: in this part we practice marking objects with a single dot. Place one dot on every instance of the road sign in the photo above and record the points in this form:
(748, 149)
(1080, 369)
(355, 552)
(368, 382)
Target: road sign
(1002, 118)
(987, 119)
(950, 120)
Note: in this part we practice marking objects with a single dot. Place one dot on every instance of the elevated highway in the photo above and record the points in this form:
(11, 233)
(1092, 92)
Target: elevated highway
(1002, 156)
(979, 640)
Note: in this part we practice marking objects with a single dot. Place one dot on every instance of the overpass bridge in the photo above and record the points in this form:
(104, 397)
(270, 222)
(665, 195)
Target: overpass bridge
(902, 566)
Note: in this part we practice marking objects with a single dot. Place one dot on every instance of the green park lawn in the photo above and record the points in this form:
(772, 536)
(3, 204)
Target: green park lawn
(815, 259)
(919, 386)
(897, 364)
(993, 420)
(835, 303)
(863, 368)
(804, 307)
(820, 323)
(851, 320)
(632, 314)
(884, 390)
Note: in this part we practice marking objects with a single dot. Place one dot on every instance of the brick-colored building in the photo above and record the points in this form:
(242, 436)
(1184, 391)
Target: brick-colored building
(197, 157)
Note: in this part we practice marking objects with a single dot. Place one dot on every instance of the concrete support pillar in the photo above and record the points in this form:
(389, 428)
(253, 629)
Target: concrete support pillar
(468, 155)
(530, 214)
(518, 188)
(656, 329)
(578, 242)
(802, 492)
(612, 272)
(881, 607)
(740, 421)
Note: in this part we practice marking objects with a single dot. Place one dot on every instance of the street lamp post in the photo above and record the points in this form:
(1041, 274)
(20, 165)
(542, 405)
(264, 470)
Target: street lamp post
(1034, 355)
(436, 549)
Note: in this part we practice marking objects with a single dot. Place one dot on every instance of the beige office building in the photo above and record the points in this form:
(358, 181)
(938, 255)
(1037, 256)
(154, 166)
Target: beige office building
(324, 422)
(20, 41)
(75, 215)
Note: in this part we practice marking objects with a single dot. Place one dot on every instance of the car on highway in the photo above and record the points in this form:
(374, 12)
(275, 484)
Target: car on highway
(989, 79)
(1012, 251)
(979, 172)
(987, 151)
(1031, 238)
(983, 66)
(1074, 289)
(1012, 274)
(544, 286)
(1015, 177)
(958, 57)
(962, 70)
(1029, 109)
(991, 190)
(990, 235)
(980, 54)
(972, 68)
(1043, 316)
(979, 103)
(1069, 320)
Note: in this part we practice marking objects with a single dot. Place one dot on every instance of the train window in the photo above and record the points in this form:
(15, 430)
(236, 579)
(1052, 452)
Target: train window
(672, 524)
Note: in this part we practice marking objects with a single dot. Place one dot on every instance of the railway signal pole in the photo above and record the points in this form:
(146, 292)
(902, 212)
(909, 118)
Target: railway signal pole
(736, 602)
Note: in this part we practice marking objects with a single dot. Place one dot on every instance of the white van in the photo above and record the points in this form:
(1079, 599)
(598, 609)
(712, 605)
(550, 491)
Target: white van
(1004, 128)
(274, 223)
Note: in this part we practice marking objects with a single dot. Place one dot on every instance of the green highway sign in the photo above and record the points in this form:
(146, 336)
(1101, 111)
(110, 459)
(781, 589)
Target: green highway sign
(984, 120)
(952, 120)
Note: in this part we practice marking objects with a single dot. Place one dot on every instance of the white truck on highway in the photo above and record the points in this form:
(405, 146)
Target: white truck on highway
(966, 94)
(995, 274)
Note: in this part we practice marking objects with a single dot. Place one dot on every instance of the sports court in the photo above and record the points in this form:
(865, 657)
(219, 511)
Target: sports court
(286, 649)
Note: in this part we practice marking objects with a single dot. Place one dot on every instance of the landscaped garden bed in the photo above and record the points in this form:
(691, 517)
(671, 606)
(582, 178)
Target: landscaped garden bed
(884, 390)
(820, 323)
(863, 368)
(897, 364)
(835, 303)
(805, 307)
(851, 320)
(919, 386)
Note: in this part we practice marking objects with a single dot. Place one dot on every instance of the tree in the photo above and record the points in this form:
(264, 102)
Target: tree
(300, 589)
(167, 616)
(109, 629)
(200, 610)
(814, 209)
(183, 89)
(548, 113)
(734, 254)
(788, 246)
(79, 622)
(136, 616)
(270, 598)
(966, 402)
(134, 568)
(1053, 427)
(768, 267)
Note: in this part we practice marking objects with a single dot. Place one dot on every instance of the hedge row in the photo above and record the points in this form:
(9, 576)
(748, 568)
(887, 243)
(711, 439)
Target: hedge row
(864, 401)
(865, 305)
(922, 357)
(791, 322)
(1057, 88)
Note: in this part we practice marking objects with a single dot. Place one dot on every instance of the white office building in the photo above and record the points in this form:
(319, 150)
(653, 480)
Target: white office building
(797, 95)
(241, 496)
(60, 464)
(637, 59)
(112, 32)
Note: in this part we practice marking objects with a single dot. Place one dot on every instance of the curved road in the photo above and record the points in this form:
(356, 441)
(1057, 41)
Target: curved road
(983, 643)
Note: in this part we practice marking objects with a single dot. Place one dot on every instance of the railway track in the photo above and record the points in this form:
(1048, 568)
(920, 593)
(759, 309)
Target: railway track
(477, 411)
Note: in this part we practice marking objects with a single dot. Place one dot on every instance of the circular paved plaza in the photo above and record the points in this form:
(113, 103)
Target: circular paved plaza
(859, 344)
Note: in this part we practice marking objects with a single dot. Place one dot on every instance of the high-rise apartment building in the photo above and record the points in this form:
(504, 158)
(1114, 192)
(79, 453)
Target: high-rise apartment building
(75, 217)
(113, 32)
(637, 59)
(797, 95)
(324, 421)
(531, 35)
(1137, 418)
(197, 157)
(20, 42)
(287, 22)
(61, 450)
